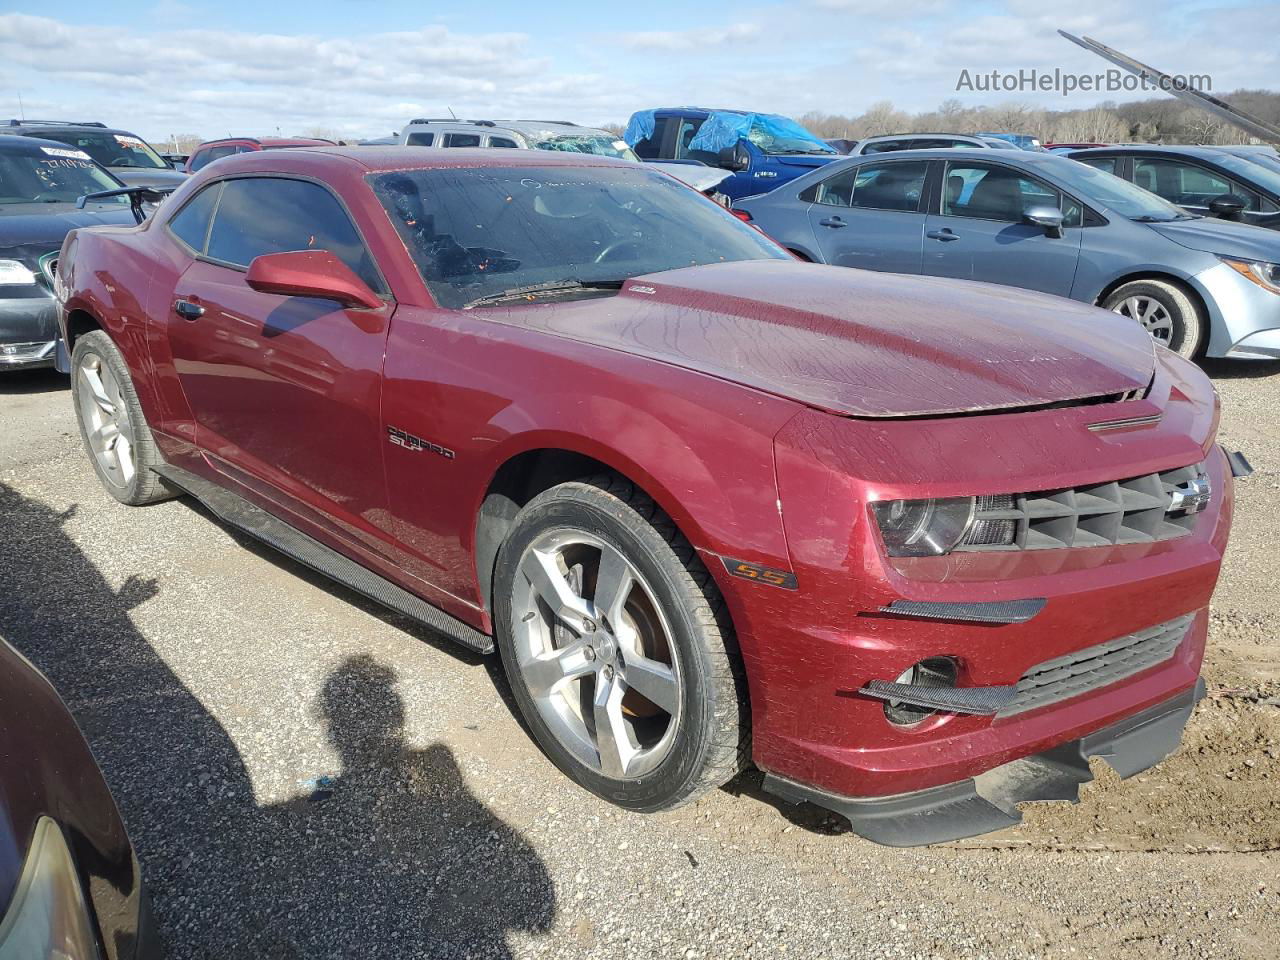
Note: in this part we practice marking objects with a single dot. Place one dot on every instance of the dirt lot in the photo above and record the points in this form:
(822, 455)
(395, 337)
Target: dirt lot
(217, 682)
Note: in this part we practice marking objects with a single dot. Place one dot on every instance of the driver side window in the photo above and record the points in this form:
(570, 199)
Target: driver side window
(260, 215)
(991, 192)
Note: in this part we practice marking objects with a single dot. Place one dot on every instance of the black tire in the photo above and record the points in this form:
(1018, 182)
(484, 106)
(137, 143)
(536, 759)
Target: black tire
(142, 486)
(711, 741)
(1184, 333)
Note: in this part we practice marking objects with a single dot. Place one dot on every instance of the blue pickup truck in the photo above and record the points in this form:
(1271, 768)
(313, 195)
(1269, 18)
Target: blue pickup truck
(762, 150)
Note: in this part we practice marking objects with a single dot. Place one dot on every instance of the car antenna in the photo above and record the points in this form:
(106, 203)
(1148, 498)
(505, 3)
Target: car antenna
(22, 111)
(451, 113)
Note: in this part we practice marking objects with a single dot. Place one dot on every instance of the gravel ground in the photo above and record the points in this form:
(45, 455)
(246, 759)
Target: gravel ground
(220, 684)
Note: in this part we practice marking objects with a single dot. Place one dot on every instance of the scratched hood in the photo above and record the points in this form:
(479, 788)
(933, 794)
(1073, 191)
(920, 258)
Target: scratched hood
(860, 343)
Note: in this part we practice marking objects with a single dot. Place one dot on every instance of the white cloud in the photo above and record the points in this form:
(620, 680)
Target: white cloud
(215, 81)
(679, 41)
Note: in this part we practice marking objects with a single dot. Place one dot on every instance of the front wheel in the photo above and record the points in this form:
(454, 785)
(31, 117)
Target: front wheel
(112, 424)
(1165, 311)
(617, 648)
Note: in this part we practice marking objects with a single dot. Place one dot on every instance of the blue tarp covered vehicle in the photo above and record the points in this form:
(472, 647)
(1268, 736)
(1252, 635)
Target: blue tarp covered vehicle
(763, 150)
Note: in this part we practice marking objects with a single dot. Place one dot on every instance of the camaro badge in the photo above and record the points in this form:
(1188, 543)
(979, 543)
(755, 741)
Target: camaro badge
(416, 444)
(1191, 497)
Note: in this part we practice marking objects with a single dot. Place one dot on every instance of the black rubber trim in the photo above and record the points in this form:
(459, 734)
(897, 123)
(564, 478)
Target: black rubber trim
(981, 611)
(990, 801)
(238, 512)
(983, 701)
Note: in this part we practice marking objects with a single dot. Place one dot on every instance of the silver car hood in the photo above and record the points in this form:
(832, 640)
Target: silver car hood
(701, 178)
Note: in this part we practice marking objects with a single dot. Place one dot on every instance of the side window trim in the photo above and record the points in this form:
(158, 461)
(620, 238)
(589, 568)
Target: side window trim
(384, 294)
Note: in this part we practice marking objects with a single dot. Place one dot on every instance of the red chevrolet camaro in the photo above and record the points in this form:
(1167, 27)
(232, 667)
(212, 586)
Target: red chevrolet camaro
(917, 548)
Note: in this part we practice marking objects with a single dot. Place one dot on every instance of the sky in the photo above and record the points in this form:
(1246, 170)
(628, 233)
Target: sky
(365, 67)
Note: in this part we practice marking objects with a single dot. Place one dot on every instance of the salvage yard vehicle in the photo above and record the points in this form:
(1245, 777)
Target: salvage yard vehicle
(1043, 222)
(918, 548)
(40, 183)
(1210, 181)
(212, 150)
(127, 156)
(69, 880)
(761, 150)
(550, 135)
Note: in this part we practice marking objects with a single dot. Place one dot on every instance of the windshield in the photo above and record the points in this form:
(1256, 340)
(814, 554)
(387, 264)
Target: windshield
(772, 139)
(1256, 172)
(51, 175)
(1118, 195)
(479, 232)
(111, 149)
(598, 144)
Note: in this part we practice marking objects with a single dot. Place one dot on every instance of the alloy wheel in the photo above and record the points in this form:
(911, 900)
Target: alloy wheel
(108, 428)
(596, 653)
(1151, 313)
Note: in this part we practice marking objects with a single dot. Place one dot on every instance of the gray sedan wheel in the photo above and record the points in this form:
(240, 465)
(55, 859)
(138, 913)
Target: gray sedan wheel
(1164, 311)
(617, 647)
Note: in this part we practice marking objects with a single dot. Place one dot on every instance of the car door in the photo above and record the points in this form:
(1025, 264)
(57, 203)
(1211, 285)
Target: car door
(870, 215)
(284, 391)
(1194, 186)
(979, 233)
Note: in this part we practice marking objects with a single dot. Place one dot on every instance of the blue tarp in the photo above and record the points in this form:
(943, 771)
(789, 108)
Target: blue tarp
(721, 131)
(639, 127)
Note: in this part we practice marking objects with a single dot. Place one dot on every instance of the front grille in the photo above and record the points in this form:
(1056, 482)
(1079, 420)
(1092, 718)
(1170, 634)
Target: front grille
(1136, 510)
(1097, 667)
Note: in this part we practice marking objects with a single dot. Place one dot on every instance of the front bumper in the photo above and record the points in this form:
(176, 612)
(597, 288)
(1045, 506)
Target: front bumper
(28, 328)
(989, 801)
(1244, 318)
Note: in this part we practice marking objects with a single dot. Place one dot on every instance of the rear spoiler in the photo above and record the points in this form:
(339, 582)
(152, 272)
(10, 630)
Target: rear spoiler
(137, 197)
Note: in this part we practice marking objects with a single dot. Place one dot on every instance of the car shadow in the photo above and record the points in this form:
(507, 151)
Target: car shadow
(391, 855)
(44, 380)
(1219, 369)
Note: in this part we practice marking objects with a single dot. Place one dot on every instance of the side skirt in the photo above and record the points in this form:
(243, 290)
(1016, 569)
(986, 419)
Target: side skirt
(238, 512)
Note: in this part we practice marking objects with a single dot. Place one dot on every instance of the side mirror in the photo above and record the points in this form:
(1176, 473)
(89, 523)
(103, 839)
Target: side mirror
(1229, 206)
(310, 273)
(1049, 219)
(733, 158)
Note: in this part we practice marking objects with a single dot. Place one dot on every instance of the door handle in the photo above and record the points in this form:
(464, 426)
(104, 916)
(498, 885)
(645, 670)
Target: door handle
(832, 222)
(945, 235)
(188, 310)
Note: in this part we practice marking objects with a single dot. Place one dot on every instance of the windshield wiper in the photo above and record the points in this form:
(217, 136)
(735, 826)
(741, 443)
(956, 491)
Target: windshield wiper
(549, 289)
(1148, 218)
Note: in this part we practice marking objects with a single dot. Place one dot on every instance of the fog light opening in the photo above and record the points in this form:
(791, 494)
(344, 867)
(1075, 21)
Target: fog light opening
(932, 672)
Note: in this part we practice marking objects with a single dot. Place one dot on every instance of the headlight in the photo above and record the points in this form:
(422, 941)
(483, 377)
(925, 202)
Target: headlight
(14, 273)
(48, 916)
(923, 528)
(1265, 275)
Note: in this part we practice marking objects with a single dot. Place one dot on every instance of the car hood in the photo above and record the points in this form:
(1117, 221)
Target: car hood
(144, 177)
(1210, 235)
(699, 177)
(34, 229)
(860, 343)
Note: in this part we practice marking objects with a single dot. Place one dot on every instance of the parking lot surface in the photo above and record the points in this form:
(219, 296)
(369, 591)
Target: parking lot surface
(307, 775)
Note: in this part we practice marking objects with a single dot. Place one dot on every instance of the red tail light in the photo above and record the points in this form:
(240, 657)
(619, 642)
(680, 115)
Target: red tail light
(742, 215)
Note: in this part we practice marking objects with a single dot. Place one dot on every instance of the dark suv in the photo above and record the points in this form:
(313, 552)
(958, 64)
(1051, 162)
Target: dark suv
(128, 157)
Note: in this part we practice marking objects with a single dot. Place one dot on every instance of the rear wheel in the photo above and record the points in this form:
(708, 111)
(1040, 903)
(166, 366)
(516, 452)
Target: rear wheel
(617, 648)
(1164, 310)
(112, 425)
